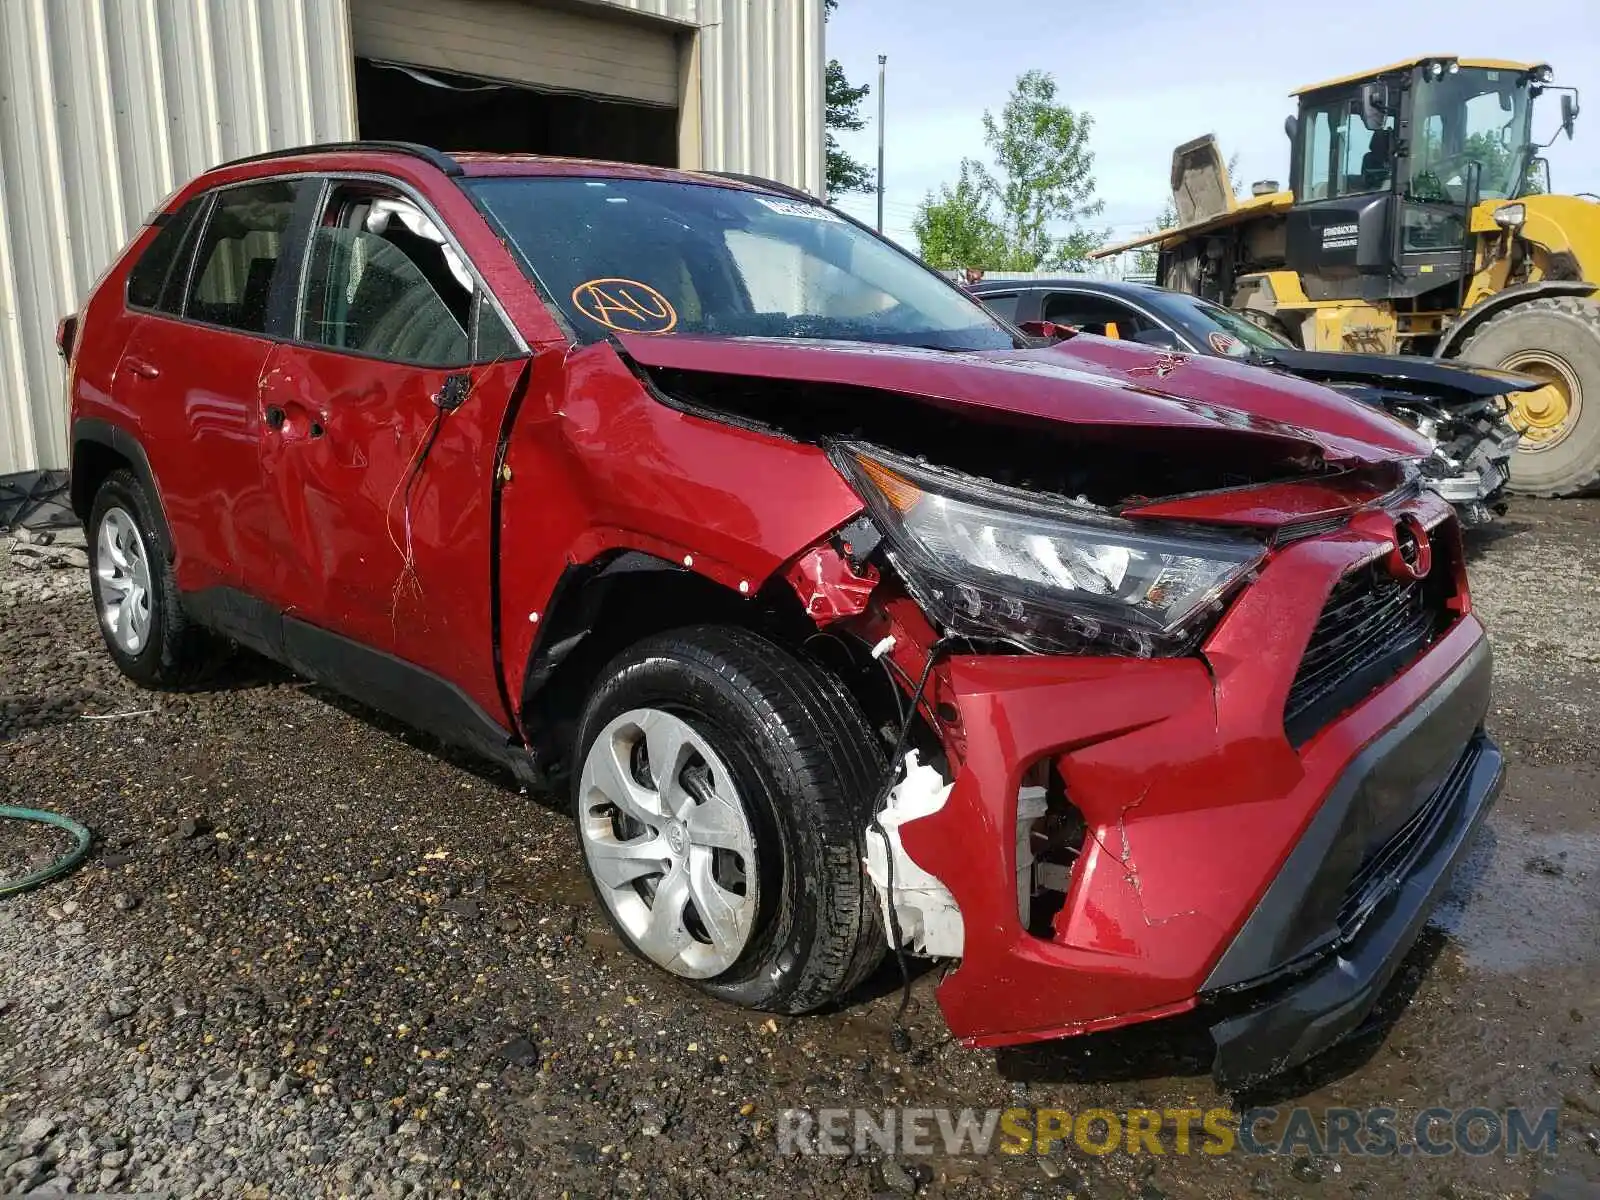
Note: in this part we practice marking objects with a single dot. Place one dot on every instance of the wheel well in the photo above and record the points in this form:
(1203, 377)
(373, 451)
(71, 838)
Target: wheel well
(1457, 335)
(92, 462)
(600, 609)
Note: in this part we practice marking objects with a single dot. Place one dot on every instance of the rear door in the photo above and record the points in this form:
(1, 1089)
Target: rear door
(380, 425)
(192, 367)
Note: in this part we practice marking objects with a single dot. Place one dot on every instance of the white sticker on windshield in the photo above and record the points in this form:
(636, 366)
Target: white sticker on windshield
(795, 208)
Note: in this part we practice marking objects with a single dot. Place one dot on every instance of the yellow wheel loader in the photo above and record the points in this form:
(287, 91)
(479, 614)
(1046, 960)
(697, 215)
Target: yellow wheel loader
(1418, 220)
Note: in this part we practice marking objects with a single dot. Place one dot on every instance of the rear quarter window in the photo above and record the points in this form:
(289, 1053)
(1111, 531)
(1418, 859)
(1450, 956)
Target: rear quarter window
(1003, 305)
(157, 278)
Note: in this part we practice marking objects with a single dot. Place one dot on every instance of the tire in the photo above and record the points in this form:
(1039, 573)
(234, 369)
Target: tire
(785, 740)
(1565, 329)
(165, 650)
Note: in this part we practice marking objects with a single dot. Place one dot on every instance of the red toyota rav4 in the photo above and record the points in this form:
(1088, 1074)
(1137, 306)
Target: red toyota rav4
(851, 618)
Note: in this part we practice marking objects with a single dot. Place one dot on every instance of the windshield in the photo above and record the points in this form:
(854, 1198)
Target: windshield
(648, 256)
(1222, 329)
(1474, 115)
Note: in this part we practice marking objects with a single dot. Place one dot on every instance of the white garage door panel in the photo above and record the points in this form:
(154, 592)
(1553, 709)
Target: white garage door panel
(518, 40)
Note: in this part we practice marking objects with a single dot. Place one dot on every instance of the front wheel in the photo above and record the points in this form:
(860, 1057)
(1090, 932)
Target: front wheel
(722, 797)
(1557, 341)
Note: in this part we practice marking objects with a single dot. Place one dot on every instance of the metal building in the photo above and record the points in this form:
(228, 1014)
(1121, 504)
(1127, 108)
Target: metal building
(106, 106)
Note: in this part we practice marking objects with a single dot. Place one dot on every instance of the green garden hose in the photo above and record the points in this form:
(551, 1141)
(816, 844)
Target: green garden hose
(61, 865)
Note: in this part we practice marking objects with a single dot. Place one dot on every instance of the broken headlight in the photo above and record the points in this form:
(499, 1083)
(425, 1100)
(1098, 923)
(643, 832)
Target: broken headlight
(995, 562)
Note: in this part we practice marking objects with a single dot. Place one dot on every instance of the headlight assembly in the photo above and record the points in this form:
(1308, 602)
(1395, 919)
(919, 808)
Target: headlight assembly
(993, 562)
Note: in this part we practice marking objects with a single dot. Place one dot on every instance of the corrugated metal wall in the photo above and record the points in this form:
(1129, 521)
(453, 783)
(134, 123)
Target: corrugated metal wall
(105, 107)
(762, 70)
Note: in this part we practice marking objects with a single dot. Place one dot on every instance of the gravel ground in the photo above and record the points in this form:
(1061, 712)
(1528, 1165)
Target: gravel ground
(310, 956)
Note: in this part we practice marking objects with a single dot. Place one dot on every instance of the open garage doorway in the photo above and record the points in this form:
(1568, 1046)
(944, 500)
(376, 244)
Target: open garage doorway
(461, 112)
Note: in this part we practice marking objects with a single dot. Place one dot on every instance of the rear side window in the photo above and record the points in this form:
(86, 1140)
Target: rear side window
(1003, 306)
(238, 257)
(157, 279)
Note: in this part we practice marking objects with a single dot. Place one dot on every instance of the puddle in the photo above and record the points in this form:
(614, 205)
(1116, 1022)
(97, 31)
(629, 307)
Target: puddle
(1522, 899)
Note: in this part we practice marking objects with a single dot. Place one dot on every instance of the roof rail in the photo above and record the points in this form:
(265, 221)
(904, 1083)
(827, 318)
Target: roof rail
(770, 184)
(435, 158)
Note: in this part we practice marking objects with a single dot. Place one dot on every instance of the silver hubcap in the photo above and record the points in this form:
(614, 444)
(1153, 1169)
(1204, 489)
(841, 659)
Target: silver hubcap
(123, 569)
(668, 843)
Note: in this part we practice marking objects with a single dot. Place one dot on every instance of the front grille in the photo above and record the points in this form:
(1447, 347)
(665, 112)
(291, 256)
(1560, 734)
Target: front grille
(1388, 864)
(1371, 627)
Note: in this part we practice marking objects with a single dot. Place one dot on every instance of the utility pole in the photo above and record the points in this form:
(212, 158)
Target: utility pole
(882, 58)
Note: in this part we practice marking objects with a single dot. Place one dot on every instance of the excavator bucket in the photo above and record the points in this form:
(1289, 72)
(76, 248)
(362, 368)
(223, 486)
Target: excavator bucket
(1200, 185)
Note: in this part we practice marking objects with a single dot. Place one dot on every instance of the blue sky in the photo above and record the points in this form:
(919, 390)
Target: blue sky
(1158, 73)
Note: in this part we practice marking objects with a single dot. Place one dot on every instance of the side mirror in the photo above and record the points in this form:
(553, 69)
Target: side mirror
(1159, 337)
(1569, 113)
(1291, 126)
(1374, 105)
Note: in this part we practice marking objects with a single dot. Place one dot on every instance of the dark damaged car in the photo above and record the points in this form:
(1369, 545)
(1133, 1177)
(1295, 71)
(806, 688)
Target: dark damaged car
(1130, 684)
(1461, 410)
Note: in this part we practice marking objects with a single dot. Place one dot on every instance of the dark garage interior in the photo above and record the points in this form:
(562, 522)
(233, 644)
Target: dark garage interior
(459, 112)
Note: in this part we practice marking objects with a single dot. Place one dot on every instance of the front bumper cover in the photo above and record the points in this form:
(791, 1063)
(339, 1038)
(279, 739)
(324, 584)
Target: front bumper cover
(1194, 800)
(1299, 1002)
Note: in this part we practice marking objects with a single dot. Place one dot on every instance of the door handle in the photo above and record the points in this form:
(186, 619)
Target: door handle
(139, 367)
(275, 417)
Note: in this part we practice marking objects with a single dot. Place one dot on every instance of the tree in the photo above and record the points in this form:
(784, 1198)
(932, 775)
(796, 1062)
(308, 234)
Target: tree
(1145, 259)
(1044, 176)
(843, 100)
(1026, 213)
(954, 228)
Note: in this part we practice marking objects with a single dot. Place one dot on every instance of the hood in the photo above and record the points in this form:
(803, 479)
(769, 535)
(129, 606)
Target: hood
(1087, 381)
(1438, 381)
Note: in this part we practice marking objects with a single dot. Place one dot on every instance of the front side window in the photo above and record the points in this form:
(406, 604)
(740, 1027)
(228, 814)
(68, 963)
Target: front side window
(382, 280)
(1094, 314)
(238, 258)
(156, 280)
(1340, 156)
(658, 257)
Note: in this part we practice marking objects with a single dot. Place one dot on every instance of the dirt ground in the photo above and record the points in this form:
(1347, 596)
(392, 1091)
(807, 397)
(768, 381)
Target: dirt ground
(310, 956)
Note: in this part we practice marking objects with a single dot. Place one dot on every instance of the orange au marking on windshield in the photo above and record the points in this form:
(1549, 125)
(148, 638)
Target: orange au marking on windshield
(625, 305)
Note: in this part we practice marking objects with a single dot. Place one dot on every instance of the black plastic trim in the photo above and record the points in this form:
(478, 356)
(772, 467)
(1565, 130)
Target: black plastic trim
(1392, 776)
(405, 691)
(118, 439)
(434, 158)
(1335, 1000)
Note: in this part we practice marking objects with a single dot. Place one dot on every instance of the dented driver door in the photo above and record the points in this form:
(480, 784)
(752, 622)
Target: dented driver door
(379, 432)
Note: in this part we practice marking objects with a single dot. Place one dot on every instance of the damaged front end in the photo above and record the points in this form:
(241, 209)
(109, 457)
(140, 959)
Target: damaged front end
(1472, 447)
(1144, 644)
(1118, 813)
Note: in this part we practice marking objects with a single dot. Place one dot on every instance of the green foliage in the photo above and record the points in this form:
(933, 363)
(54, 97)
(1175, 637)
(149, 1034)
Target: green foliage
(843, 101)
(1027, 212)
(954, 229)
(1145, 261)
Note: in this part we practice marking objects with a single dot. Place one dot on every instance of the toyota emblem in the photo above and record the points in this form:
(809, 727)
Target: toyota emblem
(1412, 556)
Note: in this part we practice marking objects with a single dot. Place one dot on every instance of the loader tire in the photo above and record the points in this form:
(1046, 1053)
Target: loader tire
(1557, 339)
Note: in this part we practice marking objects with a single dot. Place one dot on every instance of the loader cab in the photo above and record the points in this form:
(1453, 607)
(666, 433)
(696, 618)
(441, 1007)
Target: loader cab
(1387, 167)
